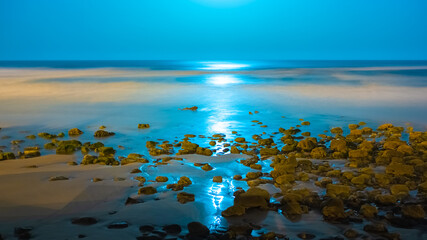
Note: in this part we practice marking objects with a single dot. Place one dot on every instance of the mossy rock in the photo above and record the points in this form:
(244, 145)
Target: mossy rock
(30, 153)
(413, 211)
(75, 132)
(268, 151)
(161, 179)
(58, 178)
(217, 179)
(306, 123)
(7, 156)
(399, 169)
(368, 211)
(333, 209)
(47, 135)
(265, 142)
(234, 211)
(105, 151)
(31, 137)
(103, 133)
(254, 197)
(353, 126)
(240, 140)
(307, 144)
(204, 151)
(253, 175)
(88, 159)
(337, 130)
(184, 197)
(318, 153)
(285, 179)
(147, 190)
(399, 190)
(386, 199)
(65, 149)
(185, 181)
(143, 126)
(338, 190)
(207, 167)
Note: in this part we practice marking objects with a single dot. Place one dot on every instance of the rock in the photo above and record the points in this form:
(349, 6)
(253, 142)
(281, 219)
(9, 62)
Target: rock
(88, 159)
(333, 209)
(136, 170)
(375, 228)
(307, 144)
(351, 233)
(207, 167)
(194, 108)
(102, 134)
(58, 178)
(385, 127)
(185, 181)
(6, 156)
(306, 235)
(399, 169)
(399, 190)
(353, 126)
(74, 132)
(240, 140)
(235, 210)
(197, 229)
(268, 151)
(338, 190)
(422, 187)
(337, 130)
(254, 197)
(253, 175)
(161, 179)
(65, 149)
(184, 197)
(105, 151)
(23, 232)
(147, 190)
(237, 177)
(118, 225)
(339, 145)
(306, 123)
(285, 179)
(318, 153)
(172, 229)
(143, 126)
(31, 137)
(413, 211)
(368, 211)
(217, 179)
(265, 142)
(146, 228)
(386, 199)
(85, 221)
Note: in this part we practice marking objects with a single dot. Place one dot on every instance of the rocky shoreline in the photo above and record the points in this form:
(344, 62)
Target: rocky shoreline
(376, 178)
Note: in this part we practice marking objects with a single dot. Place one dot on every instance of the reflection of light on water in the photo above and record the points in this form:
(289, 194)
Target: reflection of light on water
(219, 127)
(218, 191)
(222, 66)
(223, 80)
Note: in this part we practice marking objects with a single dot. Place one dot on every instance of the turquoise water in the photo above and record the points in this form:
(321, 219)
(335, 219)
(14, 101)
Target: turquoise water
(56, 96)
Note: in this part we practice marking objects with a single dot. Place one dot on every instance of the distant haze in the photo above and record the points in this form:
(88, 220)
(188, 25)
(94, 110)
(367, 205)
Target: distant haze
(213, 29)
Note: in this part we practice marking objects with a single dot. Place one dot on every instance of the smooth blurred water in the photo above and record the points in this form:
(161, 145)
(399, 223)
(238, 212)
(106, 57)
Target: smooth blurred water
(54, 96)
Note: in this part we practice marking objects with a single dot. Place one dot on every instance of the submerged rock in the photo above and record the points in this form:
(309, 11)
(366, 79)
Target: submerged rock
(86, 221)
(184, 197)
(196, 229)
(147, 190)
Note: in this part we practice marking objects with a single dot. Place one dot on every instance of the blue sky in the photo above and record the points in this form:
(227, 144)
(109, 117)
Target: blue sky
(212, 29)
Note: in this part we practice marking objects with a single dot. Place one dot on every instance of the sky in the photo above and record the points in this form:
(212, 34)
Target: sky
(213, 30)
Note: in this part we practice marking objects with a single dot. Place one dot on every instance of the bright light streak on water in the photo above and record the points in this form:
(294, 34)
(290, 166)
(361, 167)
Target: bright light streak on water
(218, 66)
(223, 80)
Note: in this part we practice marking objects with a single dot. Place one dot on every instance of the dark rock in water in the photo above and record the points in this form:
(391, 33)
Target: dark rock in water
(143, 125)
(23, 232)
(58, 178)
(147, 190)
(81, 236)
(146, 228)
(306, 235)
(351, 233)
(194, 108)
(85, 221)
(149, 238)
(118, 225)
(130, 201)
(75, 132)
(102, 133)
(197, 229)
(184, 197)
(375, 228)
(172, 229)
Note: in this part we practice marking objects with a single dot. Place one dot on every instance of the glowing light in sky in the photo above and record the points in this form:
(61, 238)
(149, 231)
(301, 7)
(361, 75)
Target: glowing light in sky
(223, 80)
